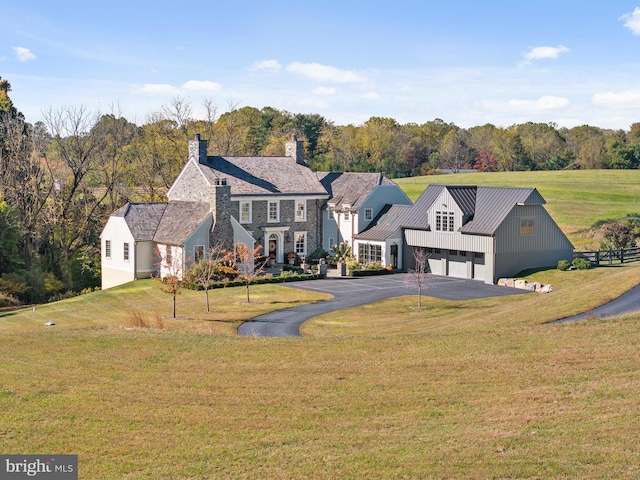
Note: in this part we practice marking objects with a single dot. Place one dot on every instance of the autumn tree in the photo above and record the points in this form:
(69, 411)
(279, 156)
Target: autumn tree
(457, 153)
(248, 265)
(219, 265)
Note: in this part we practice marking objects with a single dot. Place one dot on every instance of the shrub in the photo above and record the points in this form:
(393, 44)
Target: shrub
(581, 263)
(563, 265)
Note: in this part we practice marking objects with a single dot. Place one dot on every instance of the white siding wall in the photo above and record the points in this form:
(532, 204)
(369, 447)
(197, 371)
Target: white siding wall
(115, 271)
(146, 259)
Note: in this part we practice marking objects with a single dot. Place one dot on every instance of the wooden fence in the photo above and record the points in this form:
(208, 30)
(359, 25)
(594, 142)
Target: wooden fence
(610, 256)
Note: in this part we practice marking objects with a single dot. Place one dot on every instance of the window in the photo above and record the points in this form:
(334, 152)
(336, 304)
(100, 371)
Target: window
(368, 214)
(478, 255)
(301, 243)
(444, 221)
(331, 243)
(107, 249)
(198, 253)
(245, 212)
(346, 214)
(368, 253)
(126, 252)
(168, 257)
(301, 211)
(273, 211)
(527, 226)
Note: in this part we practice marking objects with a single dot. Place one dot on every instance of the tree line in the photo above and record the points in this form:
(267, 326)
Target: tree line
(61, 177)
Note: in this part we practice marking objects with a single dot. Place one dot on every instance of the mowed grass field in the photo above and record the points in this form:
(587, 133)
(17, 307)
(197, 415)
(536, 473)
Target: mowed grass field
(476, 389)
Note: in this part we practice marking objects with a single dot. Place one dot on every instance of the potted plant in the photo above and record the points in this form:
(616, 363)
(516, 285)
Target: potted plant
(292, 258)
(272, 259)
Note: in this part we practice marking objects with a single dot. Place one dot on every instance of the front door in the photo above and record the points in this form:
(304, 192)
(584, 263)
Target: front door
(273, 247)
(394, 256)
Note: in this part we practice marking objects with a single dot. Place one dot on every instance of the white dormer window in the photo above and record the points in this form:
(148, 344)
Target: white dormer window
(444, 221)
(368, 214)
(301, 211)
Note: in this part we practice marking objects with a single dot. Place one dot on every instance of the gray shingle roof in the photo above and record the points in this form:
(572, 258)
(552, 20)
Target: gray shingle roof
(262, 175)
(142, 219)
(351, 188)
(180, 219)
(386, 223)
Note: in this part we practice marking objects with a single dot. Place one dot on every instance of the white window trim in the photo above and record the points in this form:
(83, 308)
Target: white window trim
(295, 246)
(277, 204)
(304, 211)
(126, 252)
(368, 214)
(250, 203)
(107, 249)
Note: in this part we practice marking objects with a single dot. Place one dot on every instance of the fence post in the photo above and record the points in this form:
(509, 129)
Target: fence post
(622, 255)
(598, 257)
(610, 256)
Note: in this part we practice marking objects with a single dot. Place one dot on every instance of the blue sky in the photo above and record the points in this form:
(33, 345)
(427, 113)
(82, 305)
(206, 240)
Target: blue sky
(467, 62)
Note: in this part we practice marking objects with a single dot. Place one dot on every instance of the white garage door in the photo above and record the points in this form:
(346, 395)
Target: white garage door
(457, 264)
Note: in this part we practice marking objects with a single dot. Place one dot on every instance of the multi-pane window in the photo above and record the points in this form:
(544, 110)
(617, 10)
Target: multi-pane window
(167, 256)
(126, 252)
(368, 214)
(527, 226)
(301, 211)
(273, 211)
(198, 253)
(345, 212)
(368, 253)
(107, 248)
(301, 243)
(245, 212)
(444, 221)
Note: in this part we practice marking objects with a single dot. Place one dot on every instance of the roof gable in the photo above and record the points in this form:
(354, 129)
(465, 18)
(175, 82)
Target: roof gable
(351, 188)
(142, 219)
(386, 223)
(179, 221)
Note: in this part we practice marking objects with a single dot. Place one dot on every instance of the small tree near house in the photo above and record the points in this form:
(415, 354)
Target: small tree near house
(418, 275)
(248, 265)
(170, 278)
(219, 265)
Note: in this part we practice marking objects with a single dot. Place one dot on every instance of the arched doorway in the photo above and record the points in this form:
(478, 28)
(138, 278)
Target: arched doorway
(272, 247)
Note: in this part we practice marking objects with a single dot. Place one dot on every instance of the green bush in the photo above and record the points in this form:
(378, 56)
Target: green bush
(563, 265)
(581, 263)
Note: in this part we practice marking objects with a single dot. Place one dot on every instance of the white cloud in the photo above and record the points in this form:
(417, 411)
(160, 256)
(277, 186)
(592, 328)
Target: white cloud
(324, 91)
(325, 73)
(265, 65)
(617, 100)
(371, 96)
(23, 54)
(543, 104)
(167, 89)
(632, 21)
(540, 53)
(202, 86)
(157, 89)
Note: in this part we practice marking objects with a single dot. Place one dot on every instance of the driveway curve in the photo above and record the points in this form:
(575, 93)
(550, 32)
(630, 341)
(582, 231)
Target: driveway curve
(628, 302)
(353, 291)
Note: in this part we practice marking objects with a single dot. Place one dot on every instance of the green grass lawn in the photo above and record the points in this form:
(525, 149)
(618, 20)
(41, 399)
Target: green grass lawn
(471, 390)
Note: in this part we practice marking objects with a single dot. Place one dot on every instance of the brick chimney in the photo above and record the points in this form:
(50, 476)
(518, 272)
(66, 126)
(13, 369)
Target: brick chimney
(295, 150)
(198, 149)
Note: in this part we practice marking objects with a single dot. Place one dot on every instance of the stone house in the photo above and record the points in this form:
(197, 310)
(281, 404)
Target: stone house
(277, 203)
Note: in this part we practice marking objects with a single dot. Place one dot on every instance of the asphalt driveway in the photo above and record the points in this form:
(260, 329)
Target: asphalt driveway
(353, 291)
(626, 303)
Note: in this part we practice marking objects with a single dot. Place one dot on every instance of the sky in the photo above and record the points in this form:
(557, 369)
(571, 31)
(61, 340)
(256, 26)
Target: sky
(467, 62)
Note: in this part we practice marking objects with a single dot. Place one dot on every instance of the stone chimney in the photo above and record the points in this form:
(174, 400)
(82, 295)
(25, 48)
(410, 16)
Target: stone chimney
(220, 200)
(198, 149)
(295, 150)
